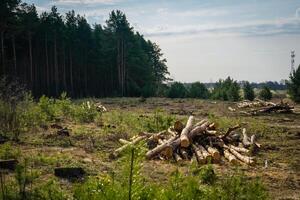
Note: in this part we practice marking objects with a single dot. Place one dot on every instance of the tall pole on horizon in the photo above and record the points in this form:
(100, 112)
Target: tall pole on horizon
(292, 61)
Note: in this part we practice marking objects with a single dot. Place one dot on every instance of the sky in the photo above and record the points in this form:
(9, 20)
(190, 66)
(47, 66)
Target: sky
(205, 40)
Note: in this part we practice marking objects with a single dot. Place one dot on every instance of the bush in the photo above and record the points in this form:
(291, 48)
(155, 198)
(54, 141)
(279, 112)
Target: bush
(265, 93)
(148, 91)
(177, 90)
(226, 90)
(248, 91)
(294, 85)
(84, 113)
(198, 90)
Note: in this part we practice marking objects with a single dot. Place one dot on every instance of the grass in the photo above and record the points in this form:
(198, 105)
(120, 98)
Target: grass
(95, 134)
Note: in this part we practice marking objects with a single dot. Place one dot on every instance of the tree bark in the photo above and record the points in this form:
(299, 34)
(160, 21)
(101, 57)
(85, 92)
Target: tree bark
(199, 156)
(214, 153)
(184, 140)
(47, 64)
(14, 54)
(3, 52)
(30, 58)
(246, 159)
(231, 158)
(55, 66)
(122, 148)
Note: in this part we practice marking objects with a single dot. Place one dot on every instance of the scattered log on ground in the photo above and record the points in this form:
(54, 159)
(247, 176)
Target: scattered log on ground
(198, 153)
(122, 141)
(230, 157)
(122, 148)
(214, 153)
(69, 172)
(245, 159)
(259, 106)
(8, 164)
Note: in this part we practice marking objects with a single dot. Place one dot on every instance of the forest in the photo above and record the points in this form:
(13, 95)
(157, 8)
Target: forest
(51, 53)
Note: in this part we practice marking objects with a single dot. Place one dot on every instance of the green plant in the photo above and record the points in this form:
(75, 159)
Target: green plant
(198, 90)
(226, 90)
(248, 91)
(265, 93)
(85, 113)
(294, 85)
(177, 90)
(207, 174)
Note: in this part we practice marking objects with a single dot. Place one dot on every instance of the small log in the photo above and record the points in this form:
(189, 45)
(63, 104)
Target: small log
(173, 133)
(184, 154)
(229, 130)
(122, 148)
(177, 158)
(231, 158)
(200, 123)
(184, 140)
(245, 140)
(122, 141)
(246, 159)
(238, 149)
(178, 126)
(212, 126)
(197, 130)
(205, 153)
(8, 164)
(214, 153)
(199, 156)
(173, 142)
(69, 172)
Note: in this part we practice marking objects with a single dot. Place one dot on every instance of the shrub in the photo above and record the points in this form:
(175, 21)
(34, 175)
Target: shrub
(198, 90)
(226, 90)
(265, 93)
(294, 85)
(248, 91)
(84, 113)
(177, 90)
(148, 91)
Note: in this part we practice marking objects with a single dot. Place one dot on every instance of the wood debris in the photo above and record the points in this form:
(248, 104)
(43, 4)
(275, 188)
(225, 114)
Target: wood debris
(197, 140)
(258, 107)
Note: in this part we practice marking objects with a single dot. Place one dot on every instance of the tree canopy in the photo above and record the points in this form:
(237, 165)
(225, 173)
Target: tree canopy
(294, 85)
(52, 53)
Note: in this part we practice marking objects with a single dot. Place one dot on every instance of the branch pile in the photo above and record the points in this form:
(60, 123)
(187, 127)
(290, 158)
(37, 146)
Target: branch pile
(259, 106)
(200, 141)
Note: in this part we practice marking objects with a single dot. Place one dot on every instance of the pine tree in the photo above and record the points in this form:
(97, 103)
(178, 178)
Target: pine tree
(294, 85)
(248, 91)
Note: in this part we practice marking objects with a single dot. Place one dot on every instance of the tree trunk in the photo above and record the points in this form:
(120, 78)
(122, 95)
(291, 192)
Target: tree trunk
(55, 66)
(246, 159)
(122, 148)
(30, 59)
(47, 64)
(231, 158)
(199, 156)
(214, 153)
(14, 54)
(64, 68)
(2, 52)
(71, 71)
(184, 140)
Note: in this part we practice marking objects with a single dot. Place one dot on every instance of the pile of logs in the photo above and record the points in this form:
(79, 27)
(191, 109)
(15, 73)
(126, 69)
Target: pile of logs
(200, 141)
(259, 106)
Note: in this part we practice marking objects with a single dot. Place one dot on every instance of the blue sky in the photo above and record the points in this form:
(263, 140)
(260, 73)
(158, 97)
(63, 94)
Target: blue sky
(204, 40)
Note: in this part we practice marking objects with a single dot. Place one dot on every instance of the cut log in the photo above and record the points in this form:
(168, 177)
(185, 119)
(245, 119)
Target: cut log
(197, 131)
(177, 158)
(122, 148)
(231, 158)
(205, 153)
(246, 159)
(178, 126)
(173, 133)
(173, 142)
(238, 149)
(199, 156)
(229, 130)
(122, 141)
(214, 153)
(8, 164)
(184, 140)
(69, 172)
(184, 154)
(245, 140)
(200, 123)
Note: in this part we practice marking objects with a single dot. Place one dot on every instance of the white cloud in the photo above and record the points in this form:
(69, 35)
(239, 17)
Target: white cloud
(65, 2)
(297, 14)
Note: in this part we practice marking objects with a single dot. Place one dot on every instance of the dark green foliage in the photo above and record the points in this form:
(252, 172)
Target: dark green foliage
(265, 93)
(248, 91)
(198, 90)
(294, 85)
(53, 53)
(226, 90)
(177, 90)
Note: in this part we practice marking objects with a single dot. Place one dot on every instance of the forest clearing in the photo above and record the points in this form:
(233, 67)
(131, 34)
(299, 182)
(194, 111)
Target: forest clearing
(93, 136)
(174, 100)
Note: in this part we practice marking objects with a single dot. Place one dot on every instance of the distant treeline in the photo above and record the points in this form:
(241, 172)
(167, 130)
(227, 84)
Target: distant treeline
(273, 85)
(52, 53)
